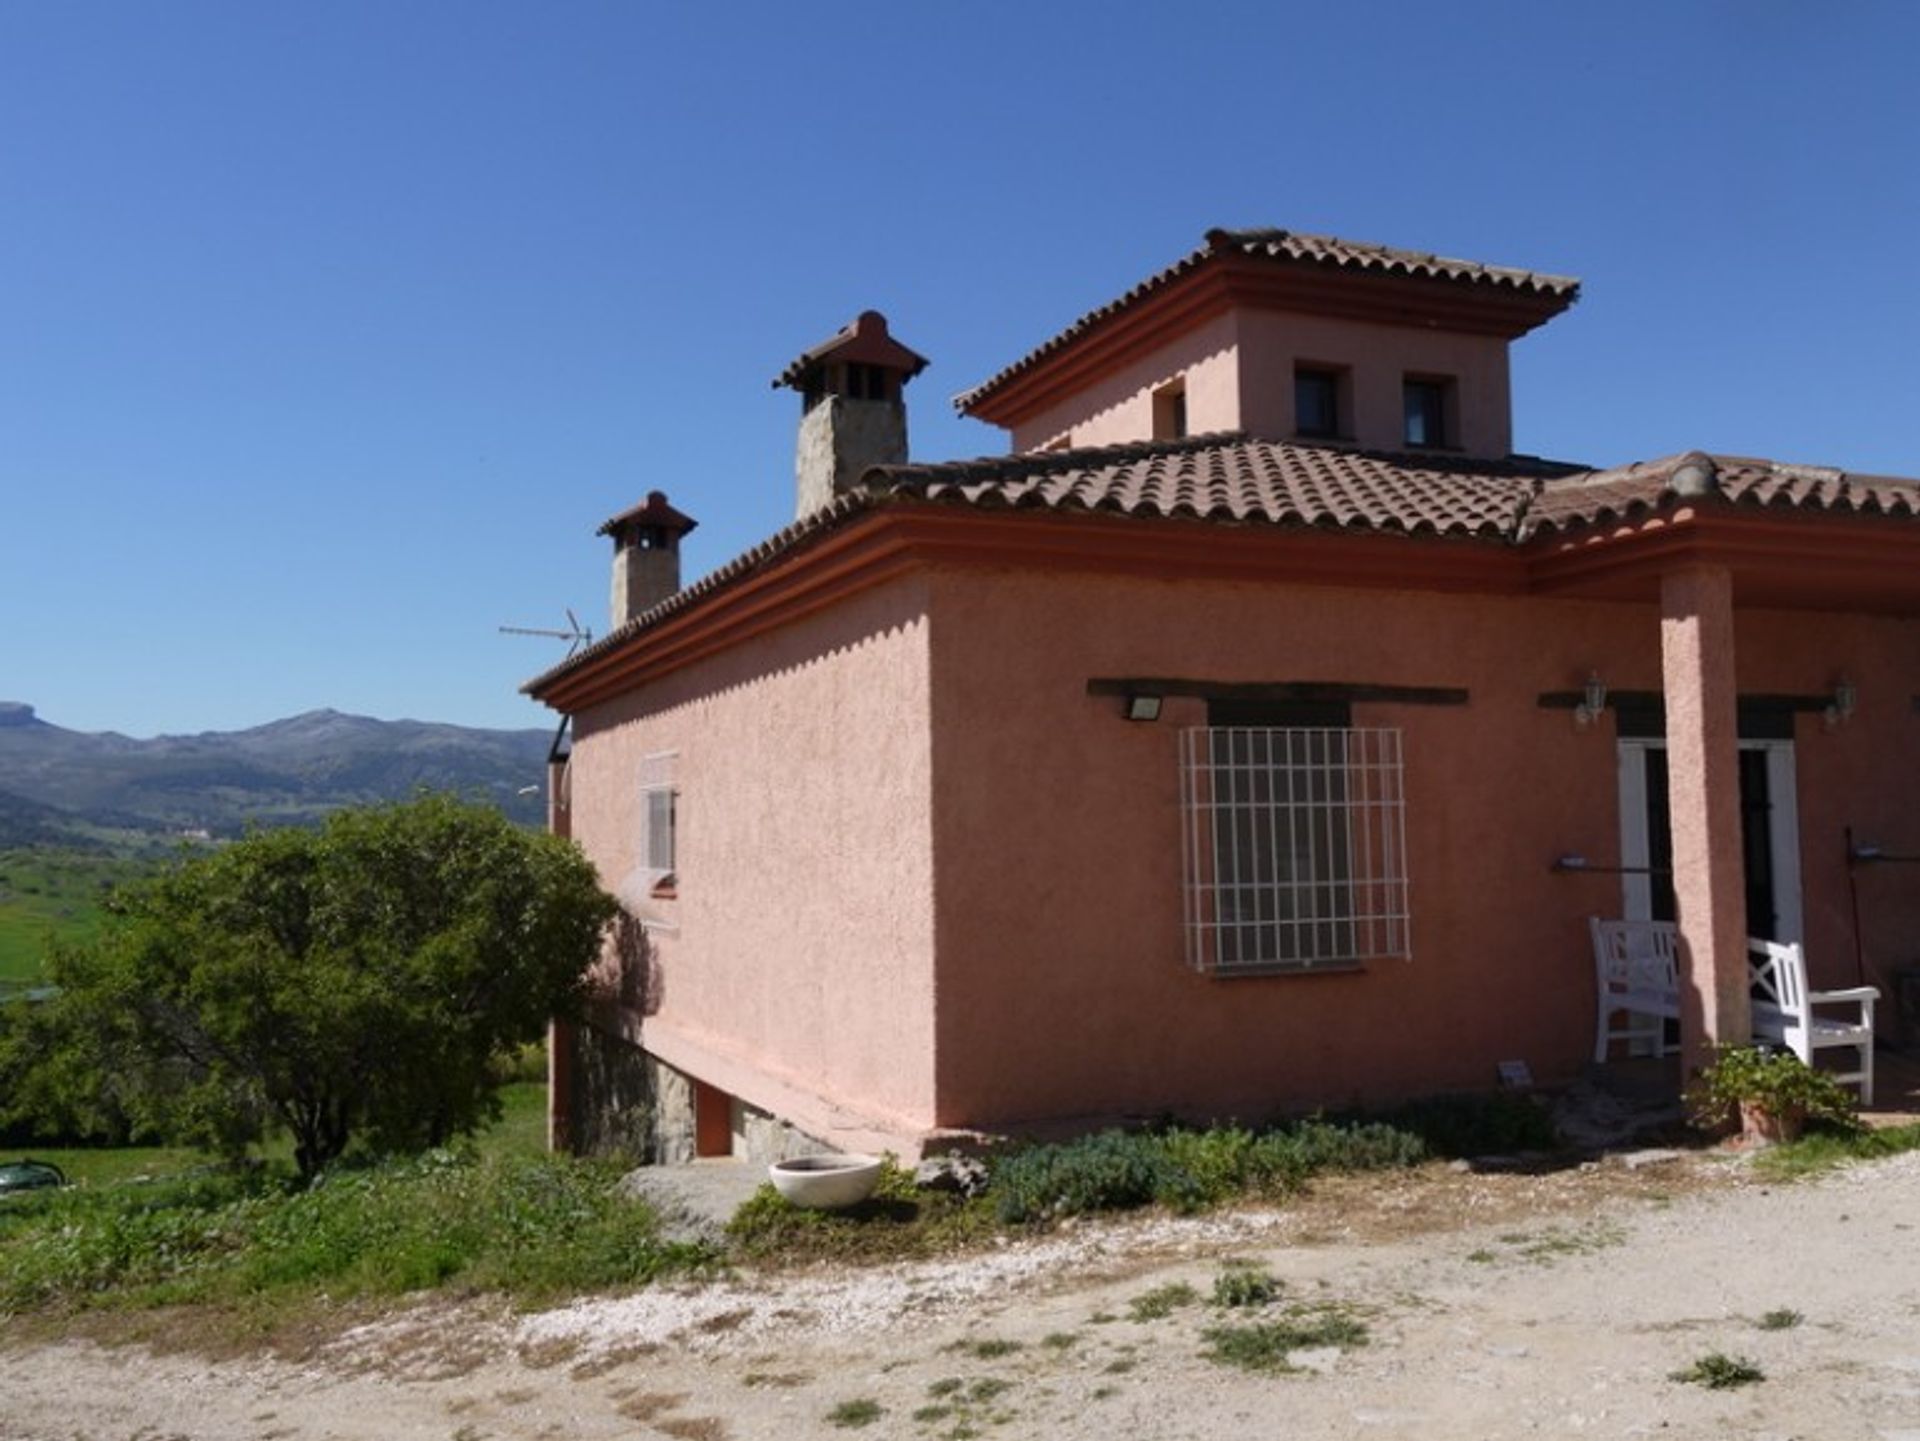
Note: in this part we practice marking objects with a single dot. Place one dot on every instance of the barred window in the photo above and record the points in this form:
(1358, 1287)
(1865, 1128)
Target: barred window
(1294, 847)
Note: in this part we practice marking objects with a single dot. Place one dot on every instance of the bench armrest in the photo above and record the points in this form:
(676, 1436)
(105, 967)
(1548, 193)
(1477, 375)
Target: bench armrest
(1856, 993)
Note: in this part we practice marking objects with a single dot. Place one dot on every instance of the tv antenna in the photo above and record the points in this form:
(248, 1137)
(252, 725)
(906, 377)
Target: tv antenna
(576, 635)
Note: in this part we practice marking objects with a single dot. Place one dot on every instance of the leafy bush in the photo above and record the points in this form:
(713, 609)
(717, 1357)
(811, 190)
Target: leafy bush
(1777, 1082)
(1242, 1285)
(354, 982)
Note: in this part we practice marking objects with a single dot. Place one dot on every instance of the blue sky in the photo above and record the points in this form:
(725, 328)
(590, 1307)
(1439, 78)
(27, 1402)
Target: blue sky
(328, 334)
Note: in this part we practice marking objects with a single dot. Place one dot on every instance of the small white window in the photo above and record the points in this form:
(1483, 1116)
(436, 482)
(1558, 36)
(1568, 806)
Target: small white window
(659, 819)
(1294, 848)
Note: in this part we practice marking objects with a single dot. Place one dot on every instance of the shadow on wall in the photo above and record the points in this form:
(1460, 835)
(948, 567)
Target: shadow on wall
(628, 978)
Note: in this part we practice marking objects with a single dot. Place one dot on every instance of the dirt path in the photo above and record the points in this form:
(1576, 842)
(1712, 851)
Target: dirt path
(1558, 1309)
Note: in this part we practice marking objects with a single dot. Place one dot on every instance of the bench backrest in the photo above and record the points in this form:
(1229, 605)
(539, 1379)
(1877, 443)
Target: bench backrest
(1636, 955)
(1779, 975)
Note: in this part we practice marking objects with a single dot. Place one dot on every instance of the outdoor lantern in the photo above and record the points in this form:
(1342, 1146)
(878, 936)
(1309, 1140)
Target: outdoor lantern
(1143, 707)
(1845, 697)
(1593, 700)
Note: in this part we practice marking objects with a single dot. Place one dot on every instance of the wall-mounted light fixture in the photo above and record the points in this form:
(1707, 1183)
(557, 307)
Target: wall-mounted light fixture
(1593, 700)
(1840, 708)
(1143, 707)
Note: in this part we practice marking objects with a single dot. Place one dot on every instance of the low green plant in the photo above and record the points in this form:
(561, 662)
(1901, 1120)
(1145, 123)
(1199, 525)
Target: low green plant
(1493, 1123)
(899, 1220)
(1188, 1169)
(1268, 1346)
(1243, 1285)
(852, 1415)
(1162, 1301)
(1784, 1319)
(528, 1227)
(1773, 1081)
(1719, 1372)
(1824, 1148)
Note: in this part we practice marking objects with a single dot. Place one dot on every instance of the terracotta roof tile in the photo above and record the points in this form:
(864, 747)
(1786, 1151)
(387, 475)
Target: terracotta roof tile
(1236, 480)
(1292, 246)
(1605, 496)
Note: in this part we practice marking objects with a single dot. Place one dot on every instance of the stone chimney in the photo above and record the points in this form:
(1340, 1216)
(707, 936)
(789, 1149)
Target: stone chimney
(853, 413)
(646, 555)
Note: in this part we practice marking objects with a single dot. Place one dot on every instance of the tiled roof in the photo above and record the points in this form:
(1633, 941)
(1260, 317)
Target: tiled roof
(1233, 479)
(1294, 246)
(1604, 496)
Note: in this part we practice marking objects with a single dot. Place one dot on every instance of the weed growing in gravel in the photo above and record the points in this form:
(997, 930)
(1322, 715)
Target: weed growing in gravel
(1243, 1284)
(1822, 1150)
(1268, 1346)
(967, 1404)
(990, 1349)
(1784, 1319)
(1162, 1301)
(1719, 1372)
(1059, 1340)
(1121, 1366)
(851, 1415)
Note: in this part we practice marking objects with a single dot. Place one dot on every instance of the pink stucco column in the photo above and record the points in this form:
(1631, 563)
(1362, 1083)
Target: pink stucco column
(1703, 768)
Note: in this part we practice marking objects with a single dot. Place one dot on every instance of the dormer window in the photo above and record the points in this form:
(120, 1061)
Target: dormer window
(1316, 402)
(1429, 403)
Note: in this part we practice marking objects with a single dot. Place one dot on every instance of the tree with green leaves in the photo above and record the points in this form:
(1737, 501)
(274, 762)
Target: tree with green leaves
(354, 982)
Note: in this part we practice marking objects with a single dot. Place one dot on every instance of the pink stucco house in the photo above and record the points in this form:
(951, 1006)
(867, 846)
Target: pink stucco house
(1212, 751)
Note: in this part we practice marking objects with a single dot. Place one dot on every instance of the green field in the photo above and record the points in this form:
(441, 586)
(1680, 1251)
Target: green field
(50, 893)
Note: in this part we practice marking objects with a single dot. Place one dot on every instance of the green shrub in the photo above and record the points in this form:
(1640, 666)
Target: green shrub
(1187, 1170)
(1244, 1285)
(1719, 1372)
(1778, 1082)
(1488, 1124)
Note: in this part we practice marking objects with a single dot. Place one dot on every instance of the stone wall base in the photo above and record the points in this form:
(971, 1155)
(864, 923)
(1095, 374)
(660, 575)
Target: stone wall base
(629, 1102)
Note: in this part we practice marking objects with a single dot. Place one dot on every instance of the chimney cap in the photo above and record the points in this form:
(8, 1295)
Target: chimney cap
(652, 513)
(863, 340)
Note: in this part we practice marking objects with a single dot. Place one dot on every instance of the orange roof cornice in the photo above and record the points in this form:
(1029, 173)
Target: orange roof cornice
(1225, 282)
(1807, 561)
(885, 544)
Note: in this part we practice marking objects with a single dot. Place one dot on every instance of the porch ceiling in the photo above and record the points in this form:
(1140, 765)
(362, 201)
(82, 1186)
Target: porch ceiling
(1793, 560)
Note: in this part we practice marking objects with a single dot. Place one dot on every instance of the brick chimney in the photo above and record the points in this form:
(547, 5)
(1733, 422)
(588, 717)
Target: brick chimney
(853, 412)
(646, 555)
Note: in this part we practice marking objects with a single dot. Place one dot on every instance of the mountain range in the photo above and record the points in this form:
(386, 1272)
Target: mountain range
(57, 784)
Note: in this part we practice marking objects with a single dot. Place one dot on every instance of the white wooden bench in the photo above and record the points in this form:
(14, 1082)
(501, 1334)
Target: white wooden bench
(1783, 1012)
(1636, 965)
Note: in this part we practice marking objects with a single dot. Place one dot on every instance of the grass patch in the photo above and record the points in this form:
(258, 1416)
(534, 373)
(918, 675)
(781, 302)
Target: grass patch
(852, 1415)
(992, 1349)
(1823, 1148)
(1162, 1301)
(1784, 1319)
(1719, 1372)
(1059, 1340)
(898, 1221)
(1268, 1346)
(56, 893)
(531, 1228)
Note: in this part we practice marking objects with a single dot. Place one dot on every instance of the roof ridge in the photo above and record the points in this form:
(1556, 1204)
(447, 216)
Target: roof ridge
(1042, 461)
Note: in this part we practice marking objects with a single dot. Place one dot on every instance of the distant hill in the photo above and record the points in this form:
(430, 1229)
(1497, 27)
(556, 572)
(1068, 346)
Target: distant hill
(55, 783)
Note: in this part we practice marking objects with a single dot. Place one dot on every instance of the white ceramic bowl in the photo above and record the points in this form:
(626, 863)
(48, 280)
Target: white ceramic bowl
(826, 1183)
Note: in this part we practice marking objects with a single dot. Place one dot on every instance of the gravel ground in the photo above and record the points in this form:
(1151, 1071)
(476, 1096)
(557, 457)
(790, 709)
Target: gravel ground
(1492, 1306)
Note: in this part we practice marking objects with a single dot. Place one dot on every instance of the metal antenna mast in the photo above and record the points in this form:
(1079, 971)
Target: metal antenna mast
(576, 635)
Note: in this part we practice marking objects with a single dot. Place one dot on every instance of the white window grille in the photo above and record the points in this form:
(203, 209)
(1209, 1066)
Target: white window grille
(1294, 847)
(659, 819)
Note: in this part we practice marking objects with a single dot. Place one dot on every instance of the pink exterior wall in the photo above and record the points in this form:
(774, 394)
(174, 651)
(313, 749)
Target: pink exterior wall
(1119, 407)
(800, 975)
(1377, 359)
(1064, 989)
(1239, 368)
